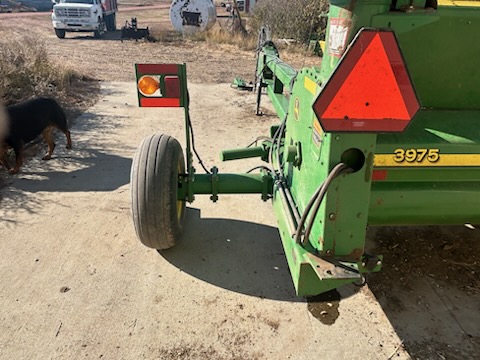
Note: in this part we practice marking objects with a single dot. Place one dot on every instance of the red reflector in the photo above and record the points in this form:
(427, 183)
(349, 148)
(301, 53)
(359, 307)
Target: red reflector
(157, 68)
(159, 102)
(172, 86)
(379, 175)
(161, 85)
(370, 90)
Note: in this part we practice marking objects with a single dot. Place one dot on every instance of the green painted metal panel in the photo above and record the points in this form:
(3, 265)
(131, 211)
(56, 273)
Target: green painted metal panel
(430, 193)
(310, 274)
(345, 18)
(339, 228)
(441, 54)
(424, 203)
(279, 102)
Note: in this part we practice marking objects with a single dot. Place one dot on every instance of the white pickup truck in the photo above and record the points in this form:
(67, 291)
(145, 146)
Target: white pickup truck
(84, 16)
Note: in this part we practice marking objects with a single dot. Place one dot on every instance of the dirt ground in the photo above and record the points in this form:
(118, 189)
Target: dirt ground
(75, 282)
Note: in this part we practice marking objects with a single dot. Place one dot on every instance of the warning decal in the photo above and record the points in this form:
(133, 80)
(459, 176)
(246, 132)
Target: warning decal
(337, 37)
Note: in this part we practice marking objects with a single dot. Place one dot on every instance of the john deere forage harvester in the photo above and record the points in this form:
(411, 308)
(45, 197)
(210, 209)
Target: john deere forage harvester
(385, 132)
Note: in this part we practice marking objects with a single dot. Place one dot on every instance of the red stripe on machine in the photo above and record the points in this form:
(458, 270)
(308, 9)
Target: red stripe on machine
(379, 175)
(159, 102)
(156, 69)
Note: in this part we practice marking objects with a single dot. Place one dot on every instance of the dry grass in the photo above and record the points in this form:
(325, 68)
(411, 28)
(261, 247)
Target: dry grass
(26, 71)
(217, 35)
(165, 35)
(214, 36)
(301, 20)
(221, 34)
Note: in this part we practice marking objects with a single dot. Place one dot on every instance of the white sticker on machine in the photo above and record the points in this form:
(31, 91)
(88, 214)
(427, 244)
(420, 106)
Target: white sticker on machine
(337, 38)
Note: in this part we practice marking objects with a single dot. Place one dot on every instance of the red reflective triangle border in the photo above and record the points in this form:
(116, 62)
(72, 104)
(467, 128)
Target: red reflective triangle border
(370, 91)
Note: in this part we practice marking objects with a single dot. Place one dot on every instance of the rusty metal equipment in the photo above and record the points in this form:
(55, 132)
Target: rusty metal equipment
(132, 31)
(384, 132)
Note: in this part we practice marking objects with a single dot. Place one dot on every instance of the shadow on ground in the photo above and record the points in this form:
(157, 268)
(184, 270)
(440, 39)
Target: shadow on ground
(109, 35)
(91, 166)
(97, 171)
(94, 171)
(240, 256)
(429, 288)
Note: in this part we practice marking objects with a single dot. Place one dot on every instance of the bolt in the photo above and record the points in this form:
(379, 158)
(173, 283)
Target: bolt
(337, 138)
(328, 252)
(379, 262)
(359, 215)
(331, 216)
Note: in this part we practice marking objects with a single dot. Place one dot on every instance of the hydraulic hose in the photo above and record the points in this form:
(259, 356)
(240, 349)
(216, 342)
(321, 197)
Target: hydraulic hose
(316, 200)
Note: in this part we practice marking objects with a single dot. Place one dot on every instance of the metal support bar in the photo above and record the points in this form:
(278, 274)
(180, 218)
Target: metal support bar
(230, 184)
(244, 153)
(279, 102)
(282, 71)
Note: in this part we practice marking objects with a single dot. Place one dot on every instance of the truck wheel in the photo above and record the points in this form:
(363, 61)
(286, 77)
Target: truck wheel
(111, 22)
(157, 213)
(97, 34)
(60, 33)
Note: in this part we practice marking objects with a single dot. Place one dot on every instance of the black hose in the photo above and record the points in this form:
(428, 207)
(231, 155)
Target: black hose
(190, 128)
(316, 200)
(193, 146)
(266, 138)
(336, 171)
(276, 136)
(261, 167)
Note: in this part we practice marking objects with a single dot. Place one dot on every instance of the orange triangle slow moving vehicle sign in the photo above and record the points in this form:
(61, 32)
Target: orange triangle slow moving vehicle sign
(370, 90)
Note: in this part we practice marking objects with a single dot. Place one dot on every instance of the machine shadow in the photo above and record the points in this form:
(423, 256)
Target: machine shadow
(429, 288)
(109, 36)
(240, 256)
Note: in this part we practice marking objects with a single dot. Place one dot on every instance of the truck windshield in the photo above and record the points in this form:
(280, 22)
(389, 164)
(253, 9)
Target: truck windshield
(77, 1)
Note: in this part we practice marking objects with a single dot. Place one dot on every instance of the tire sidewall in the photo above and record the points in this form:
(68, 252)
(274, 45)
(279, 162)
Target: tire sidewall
(154, 188)
(60, 33)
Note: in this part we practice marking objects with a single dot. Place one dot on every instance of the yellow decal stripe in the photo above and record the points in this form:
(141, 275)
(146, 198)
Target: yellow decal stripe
(310, 85)
(459, 3)
(317, 126)
(385, 160)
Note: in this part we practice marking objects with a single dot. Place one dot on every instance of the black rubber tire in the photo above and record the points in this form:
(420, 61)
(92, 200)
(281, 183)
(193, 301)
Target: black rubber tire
(107, 22)
(111, 22)
(158, 215)
(60, 33)
(97, 34)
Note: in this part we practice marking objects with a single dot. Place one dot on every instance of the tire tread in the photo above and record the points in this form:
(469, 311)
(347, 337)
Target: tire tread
(154, 182)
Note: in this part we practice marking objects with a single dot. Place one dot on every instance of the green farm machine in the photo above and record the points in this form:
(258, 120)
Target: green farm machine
(384, 132)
